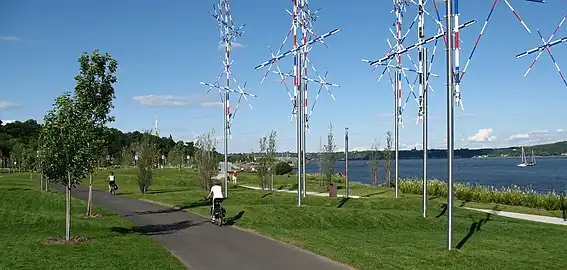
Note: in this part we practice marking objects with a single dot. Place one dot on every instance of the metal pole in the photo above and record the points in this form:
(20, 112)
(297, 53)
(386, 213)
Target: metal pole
(450, 133)
(424, 77)
(226, 119)
(299, 129)
(396, 132)
(346, 163)
(303, 131)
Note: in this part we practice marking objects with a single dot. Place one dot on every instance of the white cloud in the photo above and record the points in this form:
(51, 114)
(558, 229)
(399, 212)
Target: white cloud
(7, 121)
(519, 136)
(234, 45)
(561, 130)
(211, 104)
(483, 135)
(9, 38)
(6, 105)
(170, 101)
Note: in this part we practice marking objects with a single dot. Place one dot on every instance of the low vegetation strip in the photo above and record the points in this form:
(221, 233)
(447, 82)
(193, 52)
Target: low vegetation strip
(32, 220)
(379, 232)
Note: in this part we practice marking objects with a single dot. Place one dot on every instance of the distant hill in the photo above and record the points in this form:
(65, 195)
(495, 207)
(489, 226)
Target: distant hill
(550, 149)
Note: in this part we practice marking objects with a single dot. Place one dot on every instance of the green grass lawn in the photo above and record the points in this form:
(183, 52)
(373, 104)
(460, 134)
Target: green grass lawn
(378, 232)
(28, 216)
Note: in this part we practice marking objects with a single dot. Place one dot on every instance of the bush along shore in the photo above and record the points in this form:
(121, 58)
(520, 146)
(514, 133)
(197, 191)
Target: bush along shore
(513, 195)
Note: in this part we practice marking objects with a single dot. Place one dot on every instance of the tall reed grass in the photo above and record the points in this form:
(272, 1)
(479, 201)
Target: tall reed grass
(513, 195)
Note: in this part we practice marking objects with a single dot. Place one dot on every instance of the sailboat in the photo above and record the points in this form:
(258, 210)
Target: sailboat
(525, 162)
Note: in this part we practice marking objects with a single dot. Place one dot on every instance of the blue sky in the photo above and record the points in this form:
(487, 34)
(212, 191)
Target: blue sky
(166, 48)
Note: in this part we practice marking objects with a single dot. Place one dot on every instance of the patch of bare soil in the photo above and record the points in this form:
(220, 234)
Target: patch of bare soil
(60, 240)
(95, 216)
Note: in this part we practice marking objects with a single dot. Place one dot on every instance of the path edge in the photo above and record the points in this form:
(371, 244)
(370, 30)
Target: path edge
(258, 234)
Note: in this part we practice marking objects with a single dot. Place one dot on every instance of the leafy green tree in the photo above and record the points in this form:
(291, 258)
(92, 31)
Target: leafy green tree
(75, 125)
(148, 155)
(387, 154)
(374, 164)
(205, 159)
(282, 168)
(177, 155)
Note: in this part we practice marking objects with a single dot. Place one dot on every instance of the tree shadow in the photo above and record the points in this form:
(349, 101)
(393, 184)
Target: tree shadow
(173, 209)
(373, 194)
(157, 229)
(232, 220)
(342, 202)
(475, 227)
(443, 210)
(432, 198)
(166, 191)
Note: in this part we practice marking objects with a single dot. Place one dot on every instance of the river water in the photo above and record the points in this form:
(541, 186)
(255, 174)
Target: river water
(550, 174)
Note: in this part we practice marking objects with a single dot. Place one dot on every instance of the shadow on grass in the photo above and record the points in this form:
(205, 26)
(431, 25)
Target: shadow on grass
(475, 227)
(342, 202)
(157, 229)
(266, 195)
(232, 220)
(374, 194)
(443, 210)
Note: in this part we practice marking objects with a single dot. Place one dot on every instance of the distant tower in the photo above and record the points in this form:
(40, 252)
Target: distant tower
(156, 128)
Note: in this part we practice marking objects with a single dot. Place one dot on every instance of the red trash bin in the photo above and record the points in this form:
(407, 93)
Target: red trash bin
(332, 190)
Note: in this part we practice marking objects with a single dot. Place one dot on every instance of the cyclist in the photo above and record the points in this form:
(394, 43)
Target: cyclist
(111, 182)
(216, 193)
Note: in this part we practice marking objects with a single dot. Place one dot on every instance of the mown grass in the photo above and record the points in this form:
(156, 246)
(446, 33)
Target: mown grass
(29, 216)
(378, 232)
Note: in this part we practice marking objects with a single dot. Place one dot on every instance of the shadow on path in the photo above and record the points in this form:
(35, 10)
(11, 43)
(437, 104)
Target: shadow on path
(157, 229)
(176, 208)
(232, 220)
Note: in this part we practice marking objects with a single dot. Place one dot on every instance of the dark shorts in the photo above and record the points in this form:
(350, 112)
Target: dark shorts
(111, 183)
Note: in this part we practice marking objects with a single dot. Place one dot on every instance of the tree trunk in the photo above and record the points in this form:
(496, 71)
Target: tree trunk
(272, 183)
(68, 209)
(90, 200)
(41, 181)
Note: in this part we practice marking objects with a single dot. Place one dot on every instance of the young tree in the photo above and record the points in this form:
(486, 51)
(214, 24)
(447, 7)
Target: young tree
(205, 159)
(73, 128)
(177, 155)
(329, 156)
(263, 162)
(373, 163)
(271, 156)
(94, 93)
(267, 162)
(148, 155)
(387, 154)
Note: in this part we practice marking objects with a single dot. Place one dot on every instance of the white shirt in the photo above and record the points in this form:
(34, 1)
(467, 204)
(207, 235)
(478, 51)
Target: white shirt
(217, 192)
(111, 178)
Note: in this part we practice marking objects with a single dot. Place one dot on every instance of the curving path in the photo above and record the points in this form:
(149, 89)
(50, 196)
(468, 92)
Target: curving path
(535, 218)
(201, 245)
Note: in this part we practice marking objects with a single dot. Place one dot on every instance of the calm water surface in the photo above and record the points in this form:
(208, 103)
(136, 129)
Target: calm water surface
(549, 174)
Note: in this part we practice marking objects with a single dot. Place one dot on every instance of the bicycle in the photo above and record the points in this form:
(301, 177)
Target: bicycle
(113, 188)
(218, 213)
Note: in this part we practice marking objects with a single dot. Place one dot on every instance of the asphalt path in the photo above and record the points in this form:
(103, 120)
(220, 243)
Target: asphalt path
(201, 245)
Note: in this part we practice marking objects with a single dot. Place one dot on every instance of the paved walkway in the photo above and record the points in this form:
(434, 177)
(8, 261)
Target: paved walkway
(536, 218)
(320, 194)
(202, 245)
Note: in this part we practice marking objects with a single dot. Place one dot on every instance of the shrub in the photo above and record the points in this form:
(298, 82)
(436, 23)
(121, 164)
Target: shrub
(513, 195)
(283, 168)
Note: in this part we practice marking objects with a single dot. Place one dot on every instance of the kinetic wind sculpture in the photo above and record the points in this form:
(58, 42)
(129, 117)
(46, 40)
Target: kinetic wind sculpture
(494, 4)
(303, 19)
(423, 69)
(546, 46)
(228, 34)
